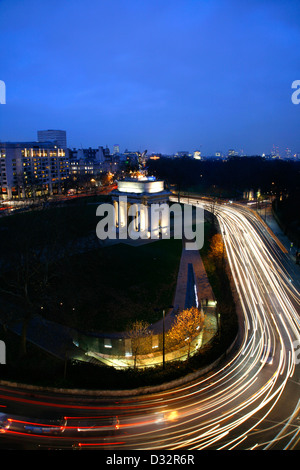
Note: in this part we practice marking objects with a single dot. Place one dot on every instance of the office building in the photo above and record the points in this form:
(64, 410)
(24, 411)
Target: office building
(29, 169)
(116, 149)
(56, 136)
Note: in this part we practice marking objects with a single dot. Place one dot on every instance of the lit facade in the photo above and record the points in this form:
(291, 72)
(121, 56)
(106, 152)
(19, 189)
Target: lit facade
(134, 198)
(83, 167)
(32, 168)
(116, 149)
(52, 135)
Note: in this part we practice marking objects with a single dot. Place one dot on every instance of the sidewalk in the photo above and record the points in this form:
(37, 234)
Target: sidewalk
(192, 270)
(192, 288)
(267, 216)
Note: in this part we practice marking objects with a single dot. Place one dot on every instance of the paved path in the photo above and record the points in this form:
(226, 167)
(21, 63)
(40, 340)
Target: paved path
(289, 253)
(267, 215)
(192, 289)
(192, 286)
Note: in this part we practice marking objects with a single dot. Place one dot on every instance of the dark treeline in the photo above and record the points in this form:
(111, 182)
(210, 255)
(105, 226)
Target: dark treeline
(230, 178)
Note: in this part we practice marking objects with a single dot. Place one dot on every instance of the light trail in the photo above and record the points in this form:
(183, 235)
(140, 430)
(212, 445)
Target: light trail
(271, 323)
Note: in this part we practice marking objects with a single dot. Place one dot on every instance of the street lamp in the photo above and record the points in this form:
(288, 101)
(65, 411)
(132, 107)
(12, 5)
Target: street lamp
(170, 306)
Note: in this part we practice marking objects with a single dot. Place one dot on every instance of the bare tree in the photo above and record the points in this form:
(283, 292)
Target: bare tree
(27, 251)
(141, 338)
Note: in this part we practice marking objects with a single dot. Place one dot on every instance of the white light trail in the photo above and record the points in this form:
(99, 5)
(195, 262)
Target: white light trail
(248, 388)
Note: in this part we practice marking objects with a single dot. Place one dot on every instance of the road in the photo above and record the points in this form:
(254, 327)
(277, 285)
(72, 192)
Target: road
(251, 401)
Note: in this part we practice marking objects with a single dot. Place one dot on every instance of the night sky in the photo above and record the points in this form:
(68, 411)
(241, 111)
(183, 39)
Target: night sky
(161, 75)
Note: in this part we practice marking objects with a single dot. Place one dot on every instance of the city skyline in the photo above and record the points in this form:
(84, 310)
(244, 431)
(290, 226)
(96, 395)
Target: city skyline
(150, 227)
(162, 76)
(275, 151)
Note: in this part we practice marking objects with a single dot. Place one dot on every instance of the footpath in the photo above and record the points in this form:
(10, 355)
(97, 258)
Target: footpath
(192, 290)
(289, 251)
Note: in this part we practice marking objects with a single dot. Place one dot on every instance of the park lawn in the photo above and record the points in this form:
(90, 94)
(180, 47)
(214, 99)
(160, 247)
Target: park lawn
(65, 222)
(100, 288)
(105, 289)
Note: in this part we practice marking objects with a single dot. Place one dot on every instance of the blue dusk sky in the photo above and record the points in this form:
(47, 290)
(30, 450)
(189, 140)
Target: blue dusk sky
(161, 75)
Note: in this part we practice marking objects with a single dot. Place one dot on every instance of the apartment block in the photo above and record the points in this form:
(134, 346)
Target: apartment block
(29, 169)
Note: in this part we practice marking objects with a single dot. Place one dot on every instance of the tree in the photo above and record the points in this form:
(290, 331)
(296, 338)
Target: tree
(188, 324)
(141, 338)
(28, 249)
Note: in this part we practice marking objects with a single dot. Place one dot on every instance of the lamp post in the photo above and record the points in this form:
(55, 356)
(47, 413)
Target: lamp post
(170, 306)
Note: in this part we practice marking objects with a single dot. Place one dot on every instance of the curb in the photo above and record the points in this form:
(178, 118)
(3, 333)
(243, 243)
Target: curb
(134, 392)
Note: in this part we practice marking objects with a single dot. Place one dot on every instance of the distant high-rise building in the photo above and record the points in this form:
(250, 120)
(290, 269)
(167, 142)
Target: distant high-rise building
(116, 149)
(288, 153)
(56, 136)
(197, 155)
(275, 152)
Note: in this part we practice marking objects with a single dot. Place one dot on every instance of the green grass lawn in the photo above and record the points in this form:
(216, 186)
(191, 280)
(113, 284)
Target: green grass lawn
(105, 289)
(101, 289)
(73, 219)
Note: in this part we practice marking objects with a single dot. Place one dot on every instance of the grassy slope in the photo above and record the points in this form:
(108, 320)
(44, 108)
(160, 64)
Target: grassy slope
(110, 286)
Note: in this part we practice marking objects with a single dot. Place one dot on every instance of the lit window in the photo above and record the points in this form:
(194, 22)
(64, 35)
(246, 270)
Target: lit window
(107, 343)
